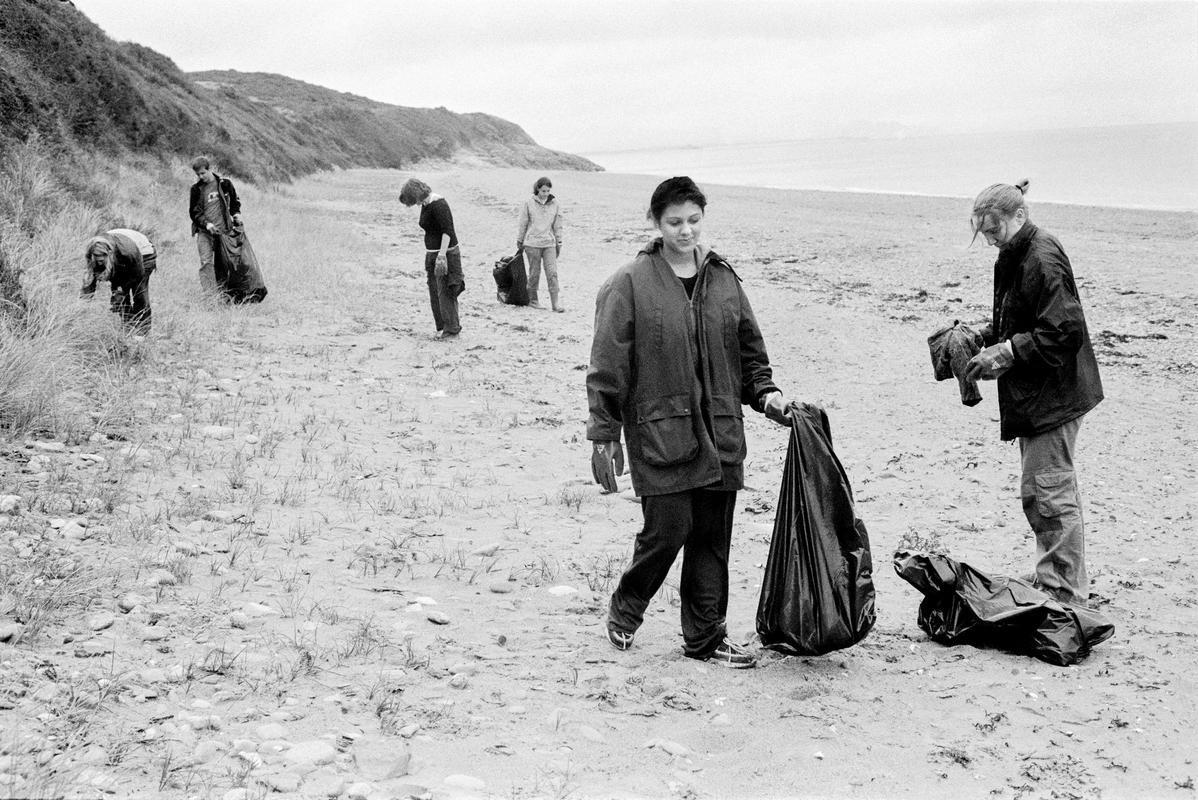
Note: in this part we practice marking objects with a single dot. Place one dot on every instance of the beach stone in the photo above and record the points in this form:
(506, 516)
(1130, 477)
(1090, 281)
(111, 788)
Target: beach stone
(324, 783)
(311, 754)
(359, 791)
(464, 668)
(270, 730)
(94, 648)
(485, 550)
(240, 793)
(382, 759)
(11, 504)
(74, 531)
(131, 600)
(459, 681)
(721, 720)
(207, 750)
(57, 523)
(668, 746)
(588, 733)
(200, 722)
(101, 620)
(245, 746)
(283, 782)
(561, 591)
(49, 447)
(239, 619)
(258, 610)
(437, 618)
(251, 439)
(468, 782)
(501, 587)
(161, 577)
(152, 675)
(218, 432)
(11, 631)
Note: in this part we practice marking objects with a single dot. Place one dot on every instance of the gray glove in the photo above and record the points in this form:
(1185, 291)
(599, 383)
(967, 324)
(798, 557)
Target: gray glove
(990, 363)
(607, 461)
(775, 408)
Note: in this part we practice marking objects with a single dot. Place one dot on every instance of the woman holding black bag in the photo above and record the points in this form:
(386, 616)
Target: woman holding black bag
(676, 353)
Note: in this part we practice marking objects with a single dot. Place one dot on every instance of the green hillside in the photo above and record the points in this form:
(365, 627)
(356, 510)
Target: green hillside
(62, 77)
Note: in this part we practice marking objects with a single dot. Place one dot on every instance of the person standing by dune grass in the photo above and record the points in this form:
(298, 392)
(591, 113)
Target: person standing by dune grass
(214, 209)
(539, 234)
(1038, 349)
(442, 256)
(676, 353)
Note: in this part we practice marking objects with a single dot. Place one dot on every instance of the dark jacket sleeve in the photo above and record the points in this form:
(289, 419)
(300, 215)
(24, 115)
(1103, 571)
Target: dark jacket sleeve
(195, 208)
(610, 375)
(234, 202)
(757, 378)
(1059, 325)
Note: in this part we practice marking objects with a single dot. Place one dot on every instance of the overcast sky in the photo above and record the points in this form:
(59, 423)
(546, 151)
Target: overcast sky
(611, 75)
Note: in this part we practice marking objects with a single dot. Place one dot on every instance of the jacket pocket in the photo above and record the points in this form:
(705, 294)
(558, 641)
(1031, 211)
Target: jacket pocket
(1055, 493)
(666, 431)
(727, 419)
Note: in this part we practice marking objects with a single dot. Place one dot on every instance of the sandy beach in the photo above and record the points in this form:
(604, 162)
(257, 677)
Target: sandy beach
(391, 565)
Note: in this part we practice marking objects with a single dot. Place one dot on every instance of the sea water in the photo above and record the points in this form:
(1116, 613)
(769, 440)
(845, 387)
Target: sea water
(1132, 166)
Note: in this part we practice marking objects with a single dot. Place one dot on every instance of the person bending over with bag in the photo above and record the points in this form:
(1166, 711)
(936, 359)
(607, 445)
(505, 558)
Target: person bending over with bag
(125, 258)
(1038, 348)
(676, 353)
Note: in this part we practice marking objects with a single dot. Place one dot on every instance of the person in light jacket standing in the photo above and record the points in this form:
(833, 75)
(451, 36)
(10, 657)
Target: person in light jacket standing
(676, 354)
(539, 234)
(1039, 351)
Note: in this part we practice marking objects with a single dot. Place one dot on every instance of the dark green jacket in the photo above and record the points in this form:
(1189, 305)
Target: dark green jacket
(1036, 306)
(672, 373)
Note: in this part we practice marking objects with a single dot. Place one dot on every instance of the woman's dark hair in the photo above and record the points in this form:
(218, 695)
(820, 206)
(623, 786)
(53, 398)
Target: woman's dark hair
(542, 181)
(999, 200)
(414, 191)
(672, 191)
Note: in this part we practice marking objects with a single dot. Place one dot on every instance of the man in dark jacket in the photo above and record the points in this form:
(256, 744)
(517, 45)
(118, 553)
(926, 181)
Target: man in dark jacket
(214, 210)
(1039, 351)
(125, 258)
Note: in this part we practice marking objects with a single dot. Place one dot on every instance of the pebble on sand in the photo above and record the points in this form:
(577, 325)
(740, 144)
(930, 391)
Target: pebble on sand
(437, 618)
(469, 782)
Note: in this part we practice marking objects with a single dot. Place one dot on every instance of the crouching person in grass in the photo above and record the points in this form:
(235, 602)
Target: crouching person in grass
(125, 258)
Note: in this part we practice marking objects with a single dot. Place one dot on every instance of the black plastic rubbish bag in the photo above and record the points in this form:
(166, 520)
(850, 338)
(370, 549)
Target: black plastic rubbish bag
(511, 279)
(964, 606)
(817, 594)
(238, 275)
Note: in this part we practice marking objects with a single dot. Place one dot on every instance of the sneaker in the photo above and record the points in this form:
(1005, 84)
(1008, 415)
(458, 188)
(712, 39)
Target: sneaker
(619, 639)
(732, 655)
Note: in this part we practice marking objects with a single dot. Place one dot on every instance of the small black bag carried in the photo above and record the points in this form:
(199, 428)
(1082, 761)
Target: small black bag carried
(817, 594)
(511, 279)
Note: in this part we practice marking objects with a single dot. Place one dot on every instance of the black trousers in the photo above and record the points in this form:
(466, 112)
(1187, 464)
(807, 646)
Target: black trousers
(443, 290)
(699, 523)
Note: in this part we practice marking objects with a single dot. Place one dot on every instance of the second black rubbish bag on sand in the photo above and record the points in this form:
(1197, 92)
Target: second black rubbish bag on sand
(962, 605)
(817, 594)
(511, 279)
